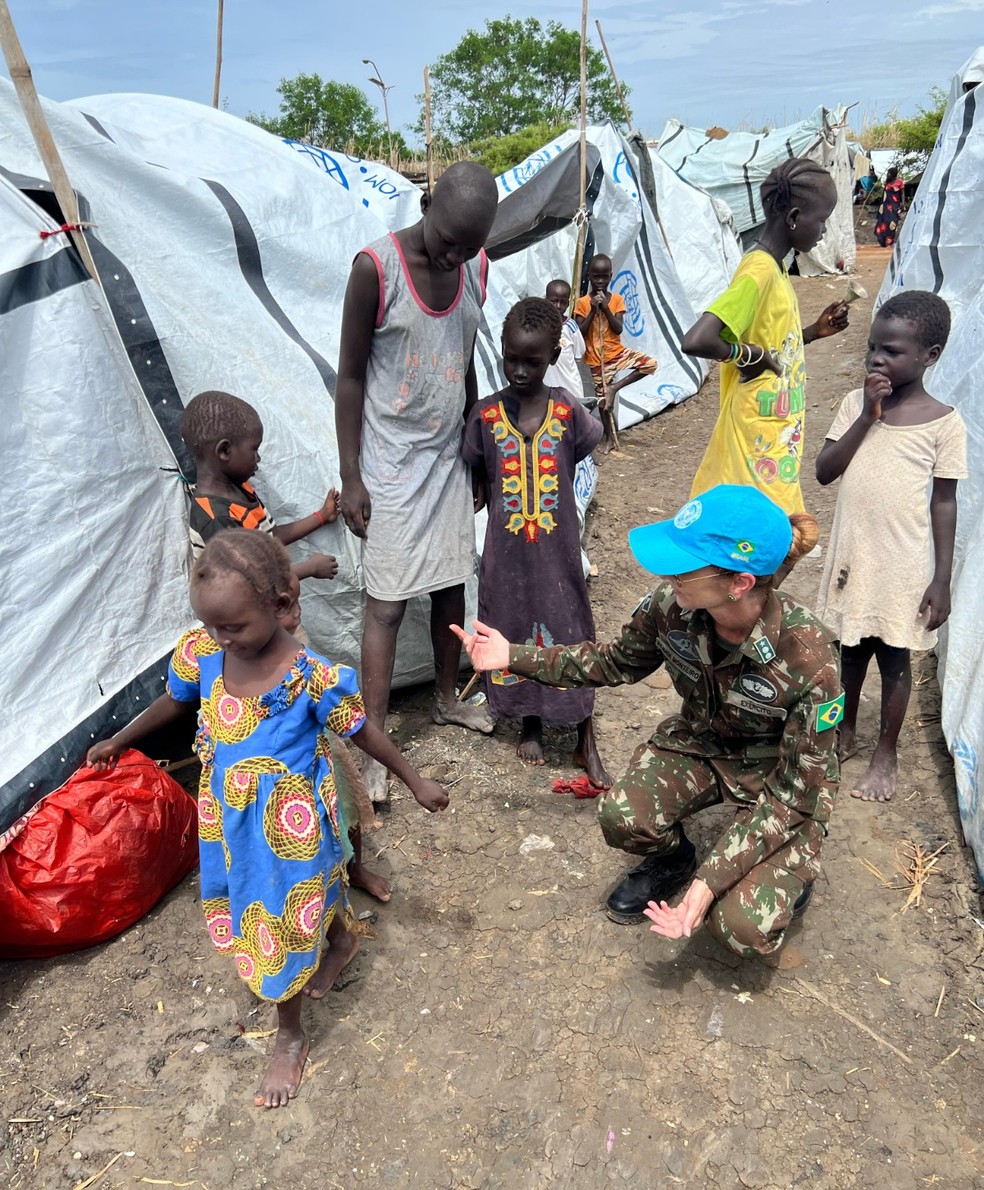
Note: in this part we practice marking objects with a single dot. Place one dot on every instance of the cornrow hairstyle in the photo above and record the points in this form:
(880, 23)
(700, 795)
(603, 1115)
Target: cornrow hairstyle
(535, 314)
(791, 183)
(212, 416)
(928, 312)
(259, 558)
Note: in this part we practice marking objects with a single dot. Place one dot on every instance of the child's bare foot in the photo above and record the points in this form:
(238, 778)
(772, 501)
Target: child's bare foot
(591, 763)
(370, 882)
(283, 1076)
(462, 714)
(586, 756)
(878, 783)
(530, 749)
(847, 744)
(375, 776)
(339, 952)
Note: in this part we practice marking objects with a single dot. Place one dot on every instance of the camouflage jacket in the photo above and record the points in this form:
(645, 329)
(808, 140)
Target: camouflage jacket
(762, 716)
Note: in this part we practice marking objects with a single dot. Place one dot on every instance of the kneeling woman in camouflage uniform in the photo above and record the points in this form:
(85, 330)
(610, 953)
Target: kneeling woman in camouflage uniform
(759, 678)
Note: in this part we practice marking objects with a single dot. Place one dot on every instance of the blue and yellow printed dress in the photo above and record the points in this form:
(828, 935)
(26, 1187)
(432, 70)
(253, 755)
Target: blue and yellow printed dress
(530, 584)
(272, 869)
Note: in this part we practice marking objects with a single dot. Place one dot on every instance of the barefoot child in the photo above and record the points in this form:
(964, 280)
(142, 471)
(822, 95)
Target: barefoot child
(886, 586)
(754, 329)
(525, 442)
(406, 380)
(600, 315)
(272, 877)
(224, 434)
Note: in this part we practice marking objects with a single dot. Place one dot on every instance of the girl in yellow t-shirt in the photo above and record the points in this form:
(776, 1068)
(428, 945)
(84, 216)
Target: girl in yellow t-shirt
(754, 329)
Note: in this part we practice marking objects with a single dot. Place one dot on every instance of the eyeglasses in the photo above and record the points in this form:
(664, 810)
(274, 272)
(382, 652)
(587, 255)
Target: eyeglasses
(695, 578)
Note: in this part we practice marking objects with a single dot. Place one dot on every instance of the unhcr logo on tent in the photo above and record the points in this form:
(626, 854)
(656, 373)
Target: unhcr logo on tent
(627, 286)
(528, 169)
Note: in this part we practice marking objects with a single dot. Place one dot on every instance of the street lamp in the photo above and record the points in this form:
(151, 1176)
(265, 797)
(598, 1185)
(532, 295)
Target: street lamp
(377, 79)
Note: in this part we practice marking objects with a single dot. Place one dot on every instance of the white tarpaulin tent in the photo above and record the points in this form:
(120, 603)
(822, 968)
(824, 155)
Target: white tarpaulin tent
(223, 254)
(734, 167)
(941, 248)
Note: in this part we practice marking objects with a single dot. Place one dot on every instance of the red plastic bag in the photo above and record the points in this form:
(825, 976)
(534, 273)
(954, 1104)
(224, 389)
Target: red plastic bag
(93, 857)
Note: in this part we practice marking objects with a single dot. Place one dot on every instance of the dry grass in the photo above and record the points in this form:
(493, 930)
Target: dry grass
(914, 866)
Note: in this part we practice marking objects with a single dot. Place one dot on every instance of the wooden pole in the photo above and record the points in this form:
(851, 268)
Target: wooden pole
(218, 56)
(582, 231)
(20, 76)
(618, 85)
(427, 129)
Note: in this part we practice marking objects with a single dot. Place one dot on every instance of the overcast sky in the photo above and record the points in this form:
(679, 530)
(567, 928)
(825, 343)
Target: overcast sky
(728, 62)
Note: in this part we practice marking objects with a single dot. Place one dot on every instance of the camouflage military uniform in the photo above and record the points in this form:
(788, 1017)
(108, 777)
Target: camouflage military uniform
(754, 732)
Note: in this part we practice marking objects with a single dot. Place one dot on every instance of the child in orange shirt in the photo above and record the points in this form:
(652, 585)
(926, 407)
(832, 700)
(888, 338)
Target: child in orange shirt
(599, 314)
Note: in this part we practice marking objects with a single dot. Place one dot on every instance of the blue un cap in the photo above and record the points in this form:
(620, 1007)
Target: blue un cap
(731, 526)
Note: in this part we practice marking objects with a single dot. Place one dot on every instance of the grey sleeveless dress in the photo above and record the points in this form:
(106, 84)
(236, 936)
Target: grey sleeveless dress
(421, 534)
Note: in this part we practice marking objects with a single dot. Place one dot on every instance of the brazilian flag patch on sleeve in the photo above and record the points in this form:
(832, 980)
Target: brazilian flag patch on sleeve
(829, 714)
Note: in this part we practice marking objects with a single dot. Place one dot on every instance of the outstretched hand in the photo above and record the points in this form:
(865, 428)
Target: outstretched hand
(103, 755)
(431, 795)
(329, 510)
(486, 648)
(681, 921)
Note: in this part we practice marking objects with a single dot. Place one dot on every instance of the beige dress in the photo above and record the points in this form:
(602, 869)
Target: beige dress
(880, 557)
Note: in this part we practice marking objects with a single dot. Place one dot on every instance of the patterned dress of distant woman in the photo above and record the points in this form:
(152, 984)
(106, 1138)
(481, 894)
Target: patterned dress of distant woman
(890, 209)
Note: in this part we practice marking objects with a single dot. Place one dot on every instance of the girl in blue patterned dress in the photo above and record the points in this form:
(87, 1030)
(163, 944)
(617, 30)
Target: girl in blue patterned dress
(523, 445)
(273, 881)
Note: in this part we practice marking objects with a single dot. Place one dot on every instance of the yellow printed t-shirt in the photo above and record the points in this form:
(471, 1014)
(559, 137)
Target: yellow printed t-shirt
(758, 436)
(613, 342)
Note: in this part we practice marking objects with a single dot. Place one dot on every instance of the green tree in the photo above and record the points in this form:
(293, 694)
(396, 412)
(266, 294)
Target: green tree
(913, 137)
(333, 115)
(514, 74)
(499, 153)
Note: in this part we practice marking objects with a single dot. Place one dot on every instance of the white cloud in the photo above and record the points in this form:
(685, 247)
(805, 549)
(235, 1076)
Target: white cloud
(950, 9)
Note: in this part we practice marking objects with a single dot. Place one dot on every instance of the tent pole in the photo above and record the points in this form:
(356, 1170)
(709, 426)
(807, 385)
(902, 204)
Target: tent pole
(618, 85)
(20, 76)
(582, 214)
(427, 130)
(218, 56)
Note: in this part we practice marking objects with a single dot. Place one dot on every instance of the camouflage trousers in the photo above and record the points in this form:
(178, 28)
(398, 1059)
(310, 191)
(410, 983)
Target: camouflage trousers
(642, 813)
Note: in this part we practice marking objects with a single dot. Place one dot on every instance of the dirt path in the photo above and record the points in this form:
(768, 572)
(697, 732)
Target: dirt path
(499, 1031)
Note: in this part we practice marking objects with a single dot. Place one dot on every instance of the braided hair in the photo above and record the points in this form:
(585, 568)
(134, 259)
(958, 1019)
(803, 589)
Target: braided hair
(791, 184)
(258, 558)
(535, 314)
(928, 312)
(212, 416)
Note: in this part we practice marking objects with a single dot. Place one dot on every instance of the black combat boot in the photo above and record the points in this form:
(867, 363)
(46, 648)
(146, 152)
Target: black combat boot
(657, 878)
(799, 907)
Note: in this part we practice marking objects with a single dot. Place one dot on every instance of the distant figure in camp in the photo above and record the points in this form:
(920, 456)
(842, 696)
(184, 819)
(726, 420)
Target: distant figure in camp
(406, 381)
(564, 373)
(272, 877)
(886, 584)
(523, 445)
(600, 315)
(890, 209)
(754, 329)
(224, 434)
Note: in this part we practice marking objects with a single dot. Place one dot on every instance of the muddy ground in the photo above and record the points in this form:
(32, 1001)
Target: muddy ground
(498, 1030)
